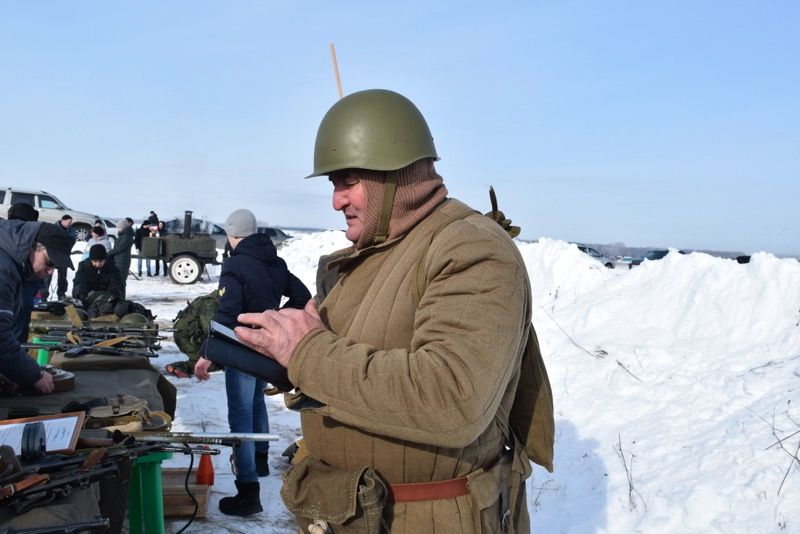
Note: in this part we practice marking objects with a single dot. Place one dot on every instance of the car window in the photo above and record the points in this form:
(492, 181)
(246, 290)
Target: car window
(28, 198)
(2, 197)
(49, 203)
(593, 252)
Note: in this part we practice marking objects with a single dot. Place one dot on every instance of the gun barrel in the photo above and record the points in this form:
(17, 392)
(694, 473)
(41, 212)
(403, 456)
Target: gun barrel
(71, 528)
(204, 438)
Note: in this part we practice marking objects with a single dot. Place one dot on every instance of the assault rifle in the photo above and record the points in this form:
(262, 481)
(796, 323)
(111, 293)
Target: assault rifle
(55, 475)
(69, 528)
(41, 489)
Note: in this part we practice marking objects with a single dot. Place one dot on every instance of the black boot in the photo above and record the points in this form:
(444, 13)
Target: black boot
(262, 464)
(246, 502)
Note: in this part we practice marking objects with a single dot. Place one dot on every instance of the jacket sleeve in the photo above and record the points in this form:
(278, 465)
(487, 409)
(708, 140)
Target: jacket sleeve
(14, 361)
(80, 286)
(297, 292)
(231, 303)
(468, 338)
(122, 244)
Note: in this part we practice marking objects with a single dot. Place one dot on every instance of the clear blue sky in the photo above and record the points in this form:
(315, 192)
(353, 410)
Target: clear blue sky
(649, 123)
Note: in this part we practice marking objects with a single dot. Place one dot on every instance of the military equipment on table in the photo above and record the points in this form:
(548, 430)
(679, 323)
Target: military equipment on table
(73, 351)
(186, 254)
(134, 331)
(69, 528)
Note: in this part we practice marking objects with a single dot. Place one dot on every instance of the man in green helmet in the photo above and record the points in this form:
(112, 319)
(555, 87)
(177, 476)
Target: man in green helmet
(406, 363)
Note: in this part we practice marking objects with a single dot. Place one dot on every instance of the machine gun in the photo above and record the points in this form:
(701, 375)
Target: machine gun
(69, 528)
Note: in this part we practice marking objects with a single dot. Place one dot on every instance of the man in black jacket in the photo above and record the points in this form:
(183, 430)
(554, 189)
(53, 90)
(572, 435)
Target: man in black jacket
(23, 211)
(61, 288)
(121, 252)
(28, 250)
(254, 279)
(96, 274)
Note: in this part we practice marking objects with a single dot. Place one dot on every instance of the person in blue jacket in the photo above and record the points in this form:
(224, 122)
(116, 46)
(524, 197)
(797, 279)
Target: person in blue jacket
(253, 279)
(28, 250)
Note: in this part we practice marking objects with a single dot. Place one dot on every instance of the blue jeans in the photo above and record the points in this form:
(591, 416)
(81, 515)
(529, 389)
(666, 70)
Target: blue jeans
(139, 266)
(247, 412)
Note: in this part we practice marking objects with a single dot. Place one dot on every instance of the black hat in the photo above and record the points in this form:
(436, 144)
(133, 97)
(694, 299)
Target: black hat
(57, 243)
(22, 211)
(98, 252)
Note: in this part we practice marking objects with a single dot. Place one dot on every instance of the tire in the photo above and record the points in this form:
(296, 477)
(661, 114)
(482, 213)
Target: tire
(82, 232)
(610, 265)
(185, 269)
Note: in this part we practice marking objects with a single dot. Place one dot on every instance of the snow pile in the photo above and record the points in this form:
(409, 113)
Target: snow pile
(671, 381)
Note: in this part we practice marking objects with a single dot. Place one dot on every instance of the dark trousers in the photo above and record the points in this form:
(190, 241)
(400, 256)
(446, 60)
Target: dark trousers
(62, 282)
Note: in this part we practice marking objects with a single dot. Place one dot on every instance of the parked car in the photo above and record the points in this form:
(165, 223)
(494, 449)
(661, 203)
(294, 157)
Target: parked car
(50, 209)
(653, 255)
(277, 235)
(111, 230)
(594, 253)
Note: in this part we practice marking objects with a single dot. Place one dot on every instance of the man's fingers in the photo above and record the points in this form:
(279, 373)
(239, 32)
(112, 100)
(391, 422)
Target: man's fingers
(256, 339)
(263, 320)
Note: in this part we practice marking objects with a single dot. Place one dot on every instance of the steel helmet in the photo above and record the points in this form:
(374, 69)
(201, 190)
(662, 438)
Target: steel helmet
(376, 129)
(133, 318)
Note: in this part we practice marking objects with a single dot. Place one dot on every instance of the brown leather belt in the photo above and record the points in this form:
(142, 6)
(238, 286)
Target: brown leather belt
(428, 491)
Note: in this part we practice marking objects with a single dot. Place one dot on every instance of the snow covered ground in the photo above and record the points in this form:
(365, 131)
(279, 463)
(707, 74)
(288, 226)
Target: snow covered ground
(672, 382)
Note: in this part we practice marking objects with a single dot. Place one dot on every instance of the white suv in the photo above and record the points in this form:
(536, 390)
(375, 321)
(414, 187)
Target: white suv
(50, 209)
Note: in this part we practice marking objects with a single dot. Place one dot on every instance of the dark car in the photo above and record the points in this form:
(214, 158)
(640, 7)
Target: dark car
(199, 226)
(277, 235)
(653, 255)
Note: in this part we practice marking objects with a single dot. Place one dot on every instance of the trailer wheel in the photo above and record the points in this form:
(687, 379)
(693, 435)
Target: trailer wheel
(185, 269)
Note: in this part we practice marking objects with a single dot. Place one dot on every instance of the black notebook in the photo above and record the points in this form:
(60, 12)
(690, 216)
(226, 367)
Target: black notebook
(225, 348)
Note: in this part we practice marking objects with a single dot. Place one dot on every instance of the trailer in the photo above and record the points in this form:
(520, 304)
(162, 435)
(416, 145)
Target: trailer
(186, 254)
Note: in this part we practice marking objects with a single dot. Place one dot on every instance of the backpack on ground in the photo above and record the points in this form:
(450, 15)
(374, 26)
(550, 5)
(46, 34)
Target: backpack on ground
(100, 303)
(125, 307)
(191, 323)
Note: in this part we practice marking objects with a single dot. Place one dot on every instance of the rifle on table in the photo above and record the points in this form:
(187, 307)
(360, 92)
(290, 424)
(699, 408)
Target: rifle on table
(73, 351)
(55, 476)
(69, 528)
(203, 438)
(39, 489)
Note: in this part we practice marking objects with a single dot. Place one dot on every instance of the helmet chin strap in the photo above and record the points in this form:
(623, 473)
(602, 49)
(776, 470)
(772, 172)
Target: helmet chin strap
(389, 189)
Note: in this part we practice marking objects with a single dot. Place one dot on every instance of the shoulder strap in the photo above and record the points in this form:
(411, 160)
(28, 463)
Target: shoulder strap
(419, 285)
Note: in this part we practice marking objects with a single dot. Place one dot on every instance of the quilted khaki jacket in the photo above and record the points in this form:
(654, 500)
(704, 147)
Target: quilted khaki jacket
(413, 389)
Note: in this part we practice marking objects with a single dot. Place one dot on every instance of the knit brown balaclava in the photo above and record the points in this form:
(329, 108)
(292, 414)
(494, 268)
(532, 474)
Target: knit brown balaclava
(419, 190)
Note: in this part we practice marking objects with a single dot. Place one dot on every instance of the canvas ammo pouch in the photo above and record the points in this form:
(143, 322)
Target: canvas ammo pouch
(116, 410)
(496, 493)
(335, 500)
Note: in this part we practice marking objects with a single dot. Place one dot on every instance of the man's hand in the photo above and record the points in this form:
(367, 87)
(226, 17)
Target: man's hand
(279, 332)
(201, 368)
(45, 383)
